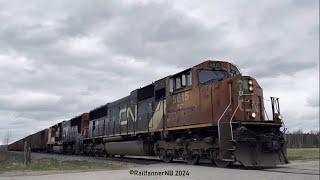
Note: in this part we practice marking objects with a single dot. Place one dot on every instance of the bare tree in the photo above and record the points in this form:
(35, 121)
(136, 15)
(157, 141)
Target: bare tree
(7, 139)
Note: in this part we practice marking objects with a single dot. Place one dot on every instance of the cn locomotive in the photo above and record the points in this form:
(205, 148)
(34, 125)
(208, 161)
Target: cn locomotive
(209, 111)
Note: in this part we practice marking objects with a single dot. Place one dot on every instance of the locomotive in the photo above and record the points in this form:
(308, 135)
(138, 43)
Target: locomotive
(209, 111)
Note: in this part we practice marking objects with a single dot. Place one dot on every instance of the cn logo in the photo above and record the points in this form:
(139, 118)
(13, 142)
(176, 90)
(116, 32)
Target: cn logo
(126, 114)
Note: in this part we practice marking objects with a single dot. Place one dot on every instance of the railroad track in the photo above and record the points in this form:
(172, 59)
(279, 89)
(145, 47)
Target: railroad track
(134, 160)
(125, 159)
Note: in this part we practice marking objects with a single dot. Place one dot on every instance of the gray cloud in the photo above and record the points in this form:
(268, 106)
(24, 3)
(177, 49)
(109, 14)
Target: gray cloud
(59, 59)
(313, 101)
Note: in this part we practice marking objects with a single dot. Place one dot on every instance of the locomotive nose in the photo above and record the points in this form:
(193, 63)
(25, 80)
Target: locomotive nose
(250, 99)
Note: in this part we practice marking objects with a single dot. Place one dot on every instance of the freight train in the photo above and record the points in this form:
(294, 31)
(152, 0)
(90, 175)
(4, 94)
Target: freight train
(209, 111)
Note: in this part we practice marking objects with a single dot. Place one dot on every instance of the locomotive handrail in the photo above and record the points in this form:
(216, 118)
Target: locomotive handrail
(230, 121)
(224, 113)
(265, 111)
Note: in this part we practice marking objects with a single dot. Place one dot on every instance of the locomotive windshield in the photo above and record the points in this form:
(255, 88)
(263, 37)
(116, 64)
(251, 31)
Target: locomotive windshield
(208, 75)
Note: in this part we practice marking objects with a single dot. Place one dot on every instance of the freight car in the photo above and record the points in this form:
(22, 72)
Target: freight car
(209, 111)
(17, 146)
(37, 142)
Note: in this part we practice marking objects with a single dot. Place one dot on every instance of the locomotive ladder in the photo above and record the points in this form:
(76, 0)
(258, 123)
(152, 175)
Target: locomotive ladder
(225, 133)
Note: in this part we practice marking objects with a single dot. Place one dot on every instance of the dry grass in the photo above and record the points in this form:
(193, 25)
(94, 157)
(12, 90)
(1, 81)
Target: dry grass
(10, 161)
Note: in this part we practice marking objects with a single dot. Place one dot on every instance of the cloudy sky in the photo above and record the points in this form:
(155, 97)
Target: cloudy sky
(61, 58)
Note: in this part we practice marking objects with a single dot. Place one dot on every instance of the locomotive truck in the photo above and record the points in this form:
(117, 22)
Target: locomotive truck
(209, 111)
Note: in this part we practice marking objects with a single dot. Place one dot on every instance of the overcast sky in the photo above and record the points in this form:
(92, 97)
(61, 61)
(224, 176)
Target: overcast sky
(61, 58)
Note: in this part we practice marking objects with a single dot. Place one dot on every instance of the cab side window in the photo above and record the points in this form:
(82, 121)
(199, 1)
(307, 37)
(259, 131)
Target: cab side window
(189, 79)
(180, 81)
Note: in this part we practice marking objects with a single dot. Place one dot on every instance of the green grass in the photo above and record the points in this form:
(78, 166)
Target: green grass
(303, 154)
(14, 162)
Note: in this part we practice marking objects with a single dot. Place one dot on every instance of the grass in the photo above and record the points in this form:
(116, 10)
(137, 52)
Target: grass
(14, 162)
(303, 154)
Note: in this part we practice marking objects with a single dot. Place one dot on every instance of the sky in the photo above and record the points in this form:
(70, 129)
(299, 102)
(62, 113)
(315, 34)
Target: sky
(60, 58)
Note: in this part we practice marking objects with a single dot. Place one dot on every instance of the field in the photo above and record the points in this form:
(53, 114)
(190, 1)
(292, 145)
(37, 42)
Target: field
(303, 154)
(10, 161)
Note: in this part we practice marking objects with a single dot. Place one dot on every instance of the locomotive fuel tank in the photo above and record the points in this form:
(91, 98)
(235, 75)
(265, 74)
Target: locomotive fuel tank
(57, 149)
(133, 148)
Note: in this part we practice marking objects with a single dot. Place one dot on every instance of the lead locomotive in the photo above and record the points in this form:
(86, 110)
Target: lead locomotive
(209, 111)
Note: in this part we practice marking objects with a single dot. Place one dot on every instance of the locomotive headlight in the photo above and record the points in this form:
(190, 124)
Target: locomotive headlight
(253, 115)
(280, 117)
(250, 82)
(251, 88)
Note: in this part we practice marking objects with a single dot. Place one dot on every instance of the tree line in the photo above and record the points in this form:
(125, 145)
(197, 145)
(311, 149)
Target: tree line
(299, 139)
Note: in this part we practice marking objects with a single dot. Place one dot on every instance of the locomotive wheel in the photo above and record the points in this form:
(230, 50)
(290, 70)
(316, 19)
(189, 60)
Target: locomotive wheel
(193, 159)
(167, 158)
(221, 163)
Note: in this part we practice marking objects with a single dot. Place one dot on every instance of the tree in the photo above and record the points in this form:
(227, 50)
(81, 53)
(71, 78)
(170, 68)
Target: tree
(299, 139)
(7, 139)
